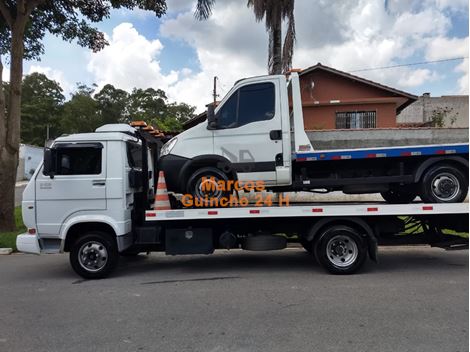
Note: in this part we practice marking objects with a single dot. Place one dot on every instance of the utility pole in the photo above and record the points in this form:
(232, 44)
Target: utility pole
(214, 93)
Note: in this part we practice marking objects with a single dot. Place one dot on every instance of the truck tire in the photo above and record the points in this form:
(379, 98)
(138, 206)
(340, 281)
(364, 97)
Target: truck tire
(400, 195)
(443, 183)
(94, 255)
(264, 243)
(207, 177)
(341, 250)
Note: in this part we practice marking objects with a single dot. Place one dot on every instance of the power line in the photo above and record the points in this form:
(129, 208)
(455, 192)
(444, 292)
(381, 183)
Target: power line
(410, 64)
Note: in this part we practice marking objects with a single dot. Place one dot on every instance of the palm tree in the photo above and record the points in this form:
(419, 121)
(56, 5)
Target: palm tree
(274, 12)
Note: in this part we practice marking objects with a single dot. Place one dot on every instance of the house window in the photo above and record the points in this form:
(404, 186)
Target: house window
(356, 119)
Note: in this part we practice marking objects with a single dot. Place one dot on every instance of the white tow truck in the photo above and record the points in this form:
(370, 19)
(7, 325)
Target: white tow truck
(93, 197)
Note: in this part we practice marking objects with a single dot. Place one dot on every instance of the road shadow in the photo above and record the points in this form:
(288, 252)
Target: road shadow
(292, 261)
(235, 261)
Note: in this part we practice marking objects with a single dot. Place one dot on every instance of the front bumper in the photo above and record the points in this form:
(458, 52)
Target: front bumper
(28, 244)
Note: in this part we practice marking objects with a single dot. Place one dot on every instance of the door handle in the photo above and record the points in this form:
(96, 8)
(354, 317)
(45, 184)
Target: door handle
(98, 183)
(275, 135)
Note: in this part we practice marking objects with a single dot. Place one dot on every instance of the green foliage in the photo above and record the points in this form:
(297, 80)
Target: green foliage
(145, 104)
(112, 104)
(440, 114)
(8, 239)
(40, 109)
(44, 106)
(80, 112)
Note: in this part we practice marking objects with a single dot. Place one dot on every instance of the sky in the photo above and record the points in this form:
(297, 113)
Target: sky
(181, 55)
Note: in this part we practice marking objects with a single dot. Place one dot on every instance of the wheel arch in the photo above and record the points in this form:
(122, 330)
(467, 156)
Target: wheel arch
(355, 222)
(458, 161)
(75, 230)
(199, 161)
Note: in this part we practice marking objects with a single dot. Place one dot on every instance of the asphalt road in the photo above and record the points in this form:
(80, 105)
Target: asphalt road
(416, 299)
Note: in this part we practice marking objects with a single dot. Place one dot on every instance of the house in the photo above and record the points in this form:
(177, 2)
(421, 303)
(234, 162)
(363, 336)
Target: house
(334, 99)
(29, 159)
(445, 111)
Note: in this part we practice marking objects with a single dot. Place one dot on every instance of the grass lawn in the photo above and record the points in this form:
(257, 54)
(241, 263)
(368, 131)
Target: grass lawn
(8, 239)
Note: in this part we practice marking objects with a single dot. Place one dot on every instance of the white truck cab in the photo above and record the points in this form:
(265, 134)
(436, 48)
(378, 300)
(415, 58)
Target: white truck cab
(249, 137)
(89, 184)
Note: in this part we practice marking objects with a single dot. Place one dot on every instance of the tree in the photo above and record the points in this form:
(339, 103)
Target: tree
(147, 104)
(112, 104)
(152, 106)
(174, 117)
(81, 112)
(41, 106)
(23, 25)
(274, 12)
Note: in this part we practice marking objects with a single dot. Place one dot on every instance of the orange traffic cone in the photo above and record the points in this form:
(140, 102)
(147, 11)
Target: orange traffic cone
(162, 202)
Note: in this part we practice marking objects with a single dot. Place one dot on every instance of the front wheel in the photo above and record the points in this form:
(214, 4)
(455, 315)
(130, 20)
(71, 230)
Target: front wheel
(341, 250)
(94, 255)
(443, 183)
(208, 184)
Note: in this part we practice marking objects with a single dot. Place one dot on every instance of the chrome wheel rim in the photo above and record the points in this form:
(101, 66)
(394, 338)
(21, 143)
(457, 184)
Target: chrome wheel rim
(208, 187)
(445, 186)
(93, 256)
(342, 251)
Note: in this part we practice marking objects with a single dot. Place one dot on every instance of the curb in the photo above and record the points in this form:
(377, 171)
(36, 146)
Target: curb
(6, 251)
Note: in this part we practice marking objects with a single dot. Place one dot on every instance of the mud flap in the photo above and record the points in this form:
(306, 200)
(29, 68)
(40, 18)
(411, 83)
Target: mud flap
(373, 248)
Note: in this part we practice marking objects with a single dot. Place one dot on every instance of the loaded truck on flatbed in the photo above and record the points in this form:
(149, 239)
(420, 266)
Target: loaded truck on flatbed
(93, 197)
(257, 133)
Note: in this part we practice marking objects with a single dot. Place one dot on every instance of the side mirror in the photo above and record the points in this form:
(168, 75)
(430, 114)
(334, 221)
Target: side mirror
(49, 163)
(211, 119)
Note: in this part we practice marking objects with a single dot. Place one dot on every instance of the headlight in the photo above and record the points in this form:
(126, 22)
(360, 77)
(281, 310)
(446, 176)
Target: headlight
(168, 146)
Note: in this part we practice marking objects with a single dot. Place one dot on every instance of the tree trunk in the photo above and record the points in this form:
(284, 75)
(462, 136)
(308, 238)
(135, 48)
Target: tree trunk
(10, 129)
(276, 47)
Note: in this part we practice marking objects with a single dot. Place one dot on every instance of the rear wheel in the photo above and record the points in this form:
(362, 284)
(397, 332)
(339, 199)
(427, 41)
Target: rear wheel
(341, 250)
(443, 183)
(94, 255)
(401, 195)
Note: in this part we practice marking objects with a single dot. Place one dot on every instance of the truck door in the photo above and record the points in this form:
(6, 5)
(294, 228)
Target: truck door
(249, 131)
(79, 185)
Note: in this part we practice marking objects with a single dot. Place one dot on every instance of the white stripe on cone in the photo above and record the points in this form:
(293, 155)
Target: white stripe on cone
(165, 203)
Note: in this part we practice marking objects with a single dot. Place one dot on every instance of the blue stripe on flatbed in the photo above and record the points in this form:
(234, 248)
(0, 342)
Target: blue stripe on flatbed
(448, 149)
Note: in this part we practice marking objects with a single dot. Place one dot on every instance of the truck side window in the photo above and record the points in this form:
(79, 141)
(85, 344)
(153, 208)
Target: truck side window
(251, 103)
(134, 155)
(79, 161)
(256, 103)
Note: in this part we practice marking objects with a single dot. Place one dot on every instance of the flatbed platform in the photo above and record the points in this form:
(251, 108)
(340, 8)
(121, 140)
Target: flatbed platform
(309, 210)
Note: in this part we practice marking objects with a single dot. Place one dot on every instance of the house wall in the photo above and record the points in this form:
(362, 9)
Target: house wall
(319, 88)
(421, 111)
(324, 117)
(328, 86)
(29, 159)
